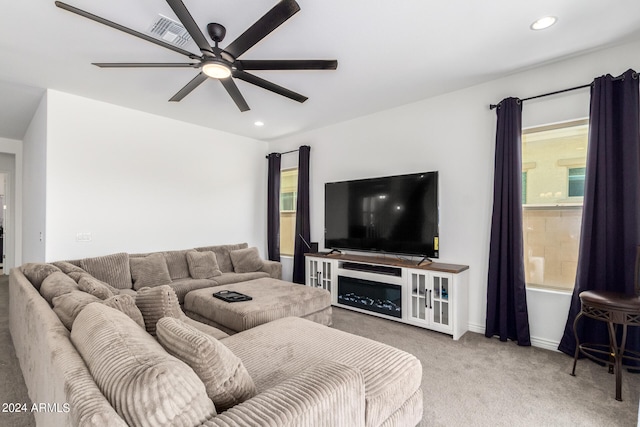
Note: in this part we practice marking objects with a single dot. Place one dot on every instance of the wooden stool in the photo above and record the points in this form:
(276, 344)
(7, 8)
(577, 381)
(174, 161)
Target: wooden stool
(616, 309)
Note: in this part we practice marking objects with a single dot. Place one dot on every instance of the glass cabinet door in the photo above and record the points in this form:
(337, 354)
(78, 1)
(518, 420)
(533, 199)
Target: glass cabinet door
(419, 300)
(441, 307)
(326, 276)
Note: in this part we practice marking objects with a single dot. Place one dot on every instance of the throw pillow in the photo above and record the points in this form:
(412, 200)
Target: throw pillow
(127, 305)
(203, 265)
(68, 306)
(112, 269)
(150, 270)
(95, 287)
(177, 264)
(156, 303)
(246, 260)
(222, 372)
(36, 272)
(56, 284)
(144, 384)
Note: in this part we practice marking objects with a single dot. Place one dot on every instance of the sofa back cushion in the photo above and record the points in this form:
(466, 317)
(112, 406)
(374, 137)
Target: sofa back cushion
(113, 269)
(95, 287)
(222, 254)
(68, 306)
(150, 270)
(222, 372)
(146, 385)
(36, 272)
(127, 305)
(56, 284)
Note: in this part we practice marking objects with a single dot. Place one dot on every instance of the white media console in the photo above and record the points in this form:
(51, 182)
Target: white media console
(431, 295)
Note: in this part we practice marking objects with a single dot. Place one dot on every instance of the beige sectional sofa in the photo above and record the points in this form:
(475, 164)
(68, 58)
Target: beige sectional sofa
(134, 359)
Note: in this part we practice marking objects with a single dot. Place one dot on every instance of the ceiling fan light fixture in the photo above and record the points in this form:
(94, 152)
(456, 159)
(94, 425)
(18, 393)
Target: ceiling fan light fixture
(216, 70)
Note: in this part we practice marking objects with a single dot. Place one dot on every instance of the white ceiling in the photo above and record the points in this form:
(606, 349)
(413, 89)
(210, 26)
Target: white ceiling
(389, 54)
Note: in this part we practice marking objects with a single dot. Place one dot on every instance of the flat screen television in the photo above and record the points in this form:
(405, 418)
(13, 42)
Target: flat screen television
(395, 214)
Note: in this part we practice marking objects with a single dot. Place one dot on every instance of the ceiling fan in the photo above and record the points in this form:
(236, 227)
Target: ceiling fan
(215, 62)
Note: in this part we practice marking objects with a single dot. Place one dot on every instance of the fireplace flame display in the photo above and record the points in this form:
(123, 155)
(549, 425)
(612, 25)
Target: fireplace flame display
(368, 295)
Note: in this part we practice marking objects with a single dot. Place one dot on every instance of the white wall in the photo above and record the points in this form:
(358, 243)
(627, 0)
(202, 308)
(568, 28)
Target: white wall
(455, 134)
(11, 164)
(139, 182)
(34, 190)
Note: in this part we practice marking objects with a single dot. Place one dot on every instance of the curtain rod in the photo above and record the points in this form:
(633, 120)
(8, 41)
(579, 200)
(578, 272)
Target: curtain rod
(286, 152)
(494, 106)
(620, 77)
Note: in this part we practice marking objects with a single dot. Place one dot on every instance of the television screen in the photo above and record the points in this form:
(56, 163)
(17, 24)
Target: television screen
(396, 214)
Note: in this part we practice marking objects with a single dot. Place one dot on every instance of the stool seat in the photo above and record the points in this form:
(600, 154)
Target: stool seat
(613, 301)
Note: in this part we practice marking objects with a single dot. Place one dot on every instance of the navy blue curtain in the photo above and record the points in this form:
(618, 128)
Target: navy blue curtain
(273, 207)
(507, 315)
(303, 228)
(611, 213)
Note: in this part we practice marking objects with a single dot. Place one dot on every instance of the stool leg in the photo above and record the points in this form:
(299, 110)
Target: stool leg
(618, 359)
(577, 352)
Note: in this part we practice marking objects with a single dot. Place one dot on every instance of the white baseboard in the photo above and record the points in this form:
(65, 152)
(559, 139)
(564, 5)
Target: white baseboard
(535, 341)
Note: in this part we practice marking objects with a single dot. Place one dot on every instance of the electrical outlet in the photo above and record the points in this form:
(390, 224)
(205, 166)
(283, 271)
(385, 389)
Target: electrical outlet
(83, 237)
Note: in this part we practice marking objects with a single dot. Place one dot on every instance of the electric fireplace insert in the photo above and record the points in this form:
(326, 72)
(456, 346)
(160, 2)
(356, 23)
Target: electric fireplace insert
(383, 298)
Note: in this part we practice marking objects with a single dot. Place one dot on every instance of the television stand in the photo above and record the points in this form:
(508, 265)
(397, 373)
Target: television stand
(429, 295)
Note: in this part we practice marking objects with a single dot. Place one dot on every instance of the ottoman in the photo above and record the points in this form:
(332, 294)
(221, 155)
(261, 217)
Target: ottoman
(272, 299)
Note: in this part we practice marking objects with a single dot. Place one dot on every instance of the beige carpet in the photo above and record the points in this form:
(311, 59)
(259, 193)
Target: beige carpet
(472, 382)
(478, 381)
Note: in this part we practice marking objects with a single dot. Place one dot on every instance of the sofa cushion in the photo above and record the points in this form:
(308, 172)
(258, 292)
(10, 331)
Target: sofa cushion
(36, 272)
(56, 284)
(246, 260)
(68, 306)
(203, 265)
(223, 374)
(150, 270)
(146, 385)
(113, 269)
(95, 287)
(183, 286)
(177, 264)
(127, 305)
(156, 303)
(222, 254)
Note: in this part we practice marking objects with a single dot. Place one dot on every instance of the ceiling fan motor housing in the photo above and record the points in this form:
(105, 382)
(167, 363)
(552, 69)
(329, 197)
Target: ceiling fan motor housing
(216, 32)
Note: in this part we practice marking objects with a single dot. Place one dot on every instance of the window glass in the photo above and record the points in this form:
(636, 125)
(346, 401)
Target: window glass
(288, 202)
(554, 166)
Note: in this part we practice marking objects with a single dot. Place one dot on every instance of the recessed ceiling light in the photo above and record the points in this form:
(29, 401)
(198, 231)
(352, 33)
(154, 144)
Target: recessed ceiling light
(544, 22)
(258, 123)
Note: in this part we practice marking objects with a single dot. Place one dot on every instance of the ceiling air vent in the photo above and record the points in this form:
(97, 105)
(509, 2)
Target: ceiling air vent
(170, 31)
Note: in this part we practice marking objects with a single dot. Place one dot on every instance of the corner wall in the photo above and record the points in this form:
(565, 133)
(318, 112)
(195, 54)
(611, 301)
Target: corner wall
(136, 182)
(455, 135)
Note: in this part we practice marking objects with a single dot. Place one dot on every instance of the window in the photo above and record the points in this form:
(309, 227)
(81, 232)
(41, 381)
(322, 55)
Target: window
(576, 182)
(288, 203)
(553, 165)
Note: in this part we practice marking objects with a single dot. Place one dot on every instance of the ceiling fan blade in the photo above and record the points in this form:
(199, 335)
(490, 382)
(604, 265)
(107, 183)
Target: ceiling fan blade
(186, 90)
(111, 24)
(250, 78)
(263, 26)
(190, 24)
(145, 65)
(235, 94)
(286, 64)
